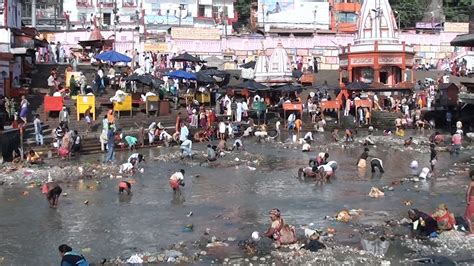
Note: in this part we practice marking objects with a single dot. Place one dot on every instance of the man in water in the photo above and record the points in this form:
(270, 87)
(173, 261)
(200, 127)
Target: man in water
(69, 257)
(177, 180)
(469, 215)
(211, 153)
(433, 156)
(186, 149)
(238, 145)
(52, 193)
(308, 171)
(376, 163)
(423, 224)
(362, 163)
(136, 158)
(125, 186)
(456, 142)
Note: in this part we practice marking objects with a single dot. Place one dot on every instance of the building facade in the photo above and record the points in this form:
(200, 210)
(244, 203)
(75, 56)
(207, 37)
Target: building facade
(10, 28)
(127, 14)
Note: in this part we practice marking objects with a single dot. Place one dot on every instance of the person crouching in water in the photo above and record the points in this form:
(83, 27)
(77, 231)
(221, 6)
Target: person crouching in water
(362, 163)
(376, 163)
(238, 145)
(320, 159)
(52, 191)
(211, 153)
(136, 158)
(186, 149)
(444, 218)
(308, 171)
(125, 186)
(280, 232)
(177, 180)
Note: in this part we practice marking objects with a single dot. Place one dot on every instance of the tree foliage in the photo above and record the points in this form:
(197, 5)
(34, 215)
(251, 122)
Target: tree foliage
(456, 10)
(243, 8)
(409, 12)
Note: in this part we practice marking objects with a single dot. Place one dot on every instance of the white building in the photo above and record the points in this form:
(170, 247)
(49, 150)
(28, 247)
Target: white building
(293, 14)
(10, 29)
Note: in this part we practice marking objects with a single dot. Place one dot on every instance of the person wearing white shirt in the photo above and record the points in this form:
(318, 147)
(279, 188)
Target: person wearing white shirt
(119, 96)
(308, 137)
(144, 97)
(186, 148)
(183, 136)
(238, 115)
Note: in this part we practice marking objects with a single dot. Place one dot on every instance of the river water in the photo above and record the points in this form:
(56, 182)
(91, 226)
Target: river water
(231, 202)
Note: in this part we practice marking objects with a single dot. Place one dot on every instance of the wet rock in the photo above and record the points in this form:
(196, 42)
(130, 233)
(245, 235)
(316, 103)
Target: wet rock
(254, 258)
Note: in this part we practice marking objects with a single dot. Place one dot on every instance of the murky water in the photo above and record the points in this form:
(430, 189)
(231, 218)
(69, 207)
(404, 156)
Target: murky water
(230, 202)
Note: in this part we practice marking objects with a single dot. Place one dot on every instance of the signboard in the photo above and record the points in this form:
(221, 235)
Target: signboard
(196, 33)
(156, 47)
(288, 13)
(456, 27)
(429, 25)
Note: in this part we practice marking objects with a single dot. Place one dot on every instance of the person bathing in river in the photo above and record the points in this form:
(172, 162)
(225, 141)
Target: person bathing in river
(125, 186)
(177, 180)
(238, 145)
(433, 156)
(280, 232)
(52, 191)
(408, 142)
(362, 163)
(308, 171)
(423, 224)
(444, 218)
(321, 159)
(211, 153)
(376, 163)
(469, 214)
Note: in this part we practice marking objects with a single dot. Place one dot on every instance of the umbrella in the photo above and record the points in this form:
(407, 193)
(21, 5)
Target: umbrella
(289, 88)
(114, 57)
(250, 64)
(203, 78)
(213, 72)
(357, 85)
(214, 61)
(325, 86)
(296, 73)
(185, 57)
(180, 74)
(252, 85)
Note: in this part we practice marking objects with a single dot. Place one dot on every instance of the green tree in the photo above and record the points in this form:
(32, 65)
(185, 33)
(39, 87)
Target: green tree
(410, 12)
(243, 8)
(456, 10)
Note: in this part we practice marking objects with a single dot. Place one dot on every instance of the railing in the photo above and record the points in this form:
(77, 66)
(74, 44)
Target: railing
(129, 3)
(83, 3)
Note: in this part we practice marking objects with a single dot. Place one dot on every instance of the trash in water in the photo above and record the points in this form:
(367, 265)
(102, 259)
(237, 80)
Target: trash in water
(135, 259)
(255, 236)
(375, 193)
(408, 202)
(190, 214)
(25, 193)
(377, 247)
(236, 159)
(64, 194)
(331, 230)
(343, 216)
(252, 168)
(86, 250)
(188, 228)
(86, 202)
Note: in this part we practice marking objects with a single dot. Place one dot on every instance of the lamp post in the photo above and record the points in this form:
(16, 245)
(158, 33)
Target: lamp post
(181, 7)
(263, 16)
(315, 23)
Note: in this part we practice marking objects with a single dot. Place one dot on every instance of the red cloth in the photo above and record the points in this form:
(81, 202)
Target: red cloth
(53, 103)
(63, 152)
(174, 184)
(124, 185)
(470, 209)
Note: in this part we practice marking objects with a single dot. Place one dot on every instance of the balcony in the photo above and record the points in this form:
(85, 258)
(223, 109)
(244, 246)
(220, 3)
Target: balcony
(129, 3)
(105, 3)
(83, 3)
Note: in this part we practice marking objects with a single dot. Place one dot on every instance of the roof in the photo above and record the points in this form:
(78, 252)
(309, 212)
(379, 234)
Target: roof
(444, 86)
(463, 40)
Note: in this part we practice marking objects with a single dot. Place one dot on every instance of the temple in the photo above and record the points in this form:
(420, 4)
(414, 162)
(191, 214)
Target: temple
(377, 55)
(275, 70)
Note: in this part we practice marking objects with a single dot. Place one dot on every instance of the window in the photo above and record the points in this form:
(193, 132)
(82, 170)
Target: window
(201, 11)
(347, 17)
(107, 19)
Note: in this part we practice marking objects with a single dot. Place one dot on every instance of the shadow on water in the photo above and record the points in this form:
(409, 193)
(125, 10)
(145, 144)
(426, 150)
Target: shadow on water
(230, 201)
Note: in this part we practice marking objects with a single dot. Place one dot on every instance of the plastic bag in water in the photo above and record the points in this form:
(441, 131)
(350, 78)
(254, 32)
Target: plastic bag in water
(135, 259)
(377, 247)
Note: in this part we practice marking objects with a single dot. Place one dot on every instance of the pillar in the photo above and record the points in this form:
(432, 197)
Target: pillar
(349, 69)
(377, 74)
(33, 13)
(403, 74)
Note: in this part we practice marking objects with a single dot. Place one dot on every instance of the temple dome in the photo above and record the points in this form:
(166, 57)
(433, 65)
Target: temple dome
(376, 23)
